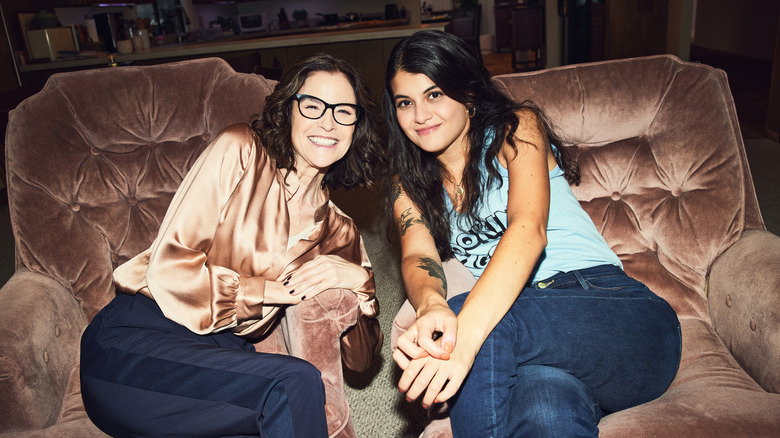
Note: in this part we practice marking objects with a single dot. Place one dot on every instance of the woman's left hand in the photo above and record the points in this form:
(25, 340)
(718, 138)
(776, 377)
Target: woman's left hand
(325, 272)
(439, 379)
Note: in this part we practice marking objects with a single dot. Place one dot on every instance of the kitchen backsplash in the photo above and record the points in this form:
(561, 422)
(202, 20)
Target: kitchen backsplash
(313, 7)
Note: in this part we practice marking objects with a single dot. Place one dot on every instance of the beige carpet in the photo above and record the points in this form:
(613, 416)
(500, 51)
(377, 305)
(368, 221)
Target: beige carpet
(378, 409)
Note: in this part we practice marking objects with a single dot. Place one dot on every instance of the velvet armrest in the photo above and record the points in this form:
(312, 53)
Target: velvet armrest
(312, 331)
(40, 327)
(744, 303)
(314, 327)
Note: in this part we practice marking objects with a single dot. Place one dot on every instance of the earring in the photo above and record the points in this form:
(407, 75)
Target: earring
(471, 111)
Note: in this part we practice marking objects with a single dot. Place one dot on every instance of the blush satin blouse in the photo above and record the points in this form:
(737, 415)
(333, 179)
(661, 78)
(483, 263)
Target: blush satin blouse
(226, 233)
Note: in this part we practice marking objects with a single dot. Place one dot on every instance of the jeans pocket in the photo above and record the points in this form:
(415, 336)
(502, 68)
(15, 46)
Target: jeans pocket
(614, 282)
(556, 283)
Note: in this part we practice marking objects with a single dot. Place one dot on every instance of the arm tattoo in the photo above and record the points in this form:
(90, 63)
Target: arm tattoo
(406, 220)
(434, 270)
(395, 190)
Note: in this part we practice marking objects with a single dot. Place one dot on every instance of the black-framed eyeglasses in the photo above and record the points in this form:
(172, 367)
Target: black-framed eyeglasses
(312, 107)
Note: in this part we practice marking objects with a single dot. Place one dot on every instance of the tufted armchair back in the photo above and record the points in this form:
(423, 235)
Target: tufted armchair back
(665, 182)
(102, 159)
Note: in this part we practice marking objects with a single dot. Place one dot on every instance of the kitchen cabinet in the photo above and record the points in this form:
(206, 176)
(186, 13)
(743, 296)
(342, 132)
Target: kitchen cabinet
(528, 38)
(503, 23)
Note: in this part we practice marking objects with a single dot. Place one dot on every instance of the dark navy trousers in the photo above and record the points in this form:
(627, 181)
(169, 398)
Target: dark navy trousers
(143, 375)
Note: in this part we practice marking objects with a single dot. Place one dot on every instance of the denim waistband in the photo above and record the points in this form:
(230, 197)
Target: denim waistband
(578, 275)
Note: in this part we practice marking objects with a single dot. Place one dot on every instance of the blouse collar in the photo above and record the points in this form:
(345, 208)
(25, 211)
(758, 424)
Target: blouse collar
(291, 184)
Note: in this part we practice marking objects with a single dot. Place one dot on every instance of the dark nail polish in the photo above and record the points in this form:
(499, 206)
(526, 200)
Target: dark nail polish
(292, 291)
(286, 283)
(303, 297)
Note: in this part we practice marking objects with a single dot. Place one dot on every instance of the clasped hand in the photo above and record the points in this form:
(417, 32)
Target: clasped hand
(436, 367)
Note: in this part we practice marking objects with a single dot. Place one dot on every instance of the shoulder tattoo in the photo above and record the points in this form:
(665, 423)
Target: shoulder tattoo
(406, 220)
(434, 270)
(395, 190)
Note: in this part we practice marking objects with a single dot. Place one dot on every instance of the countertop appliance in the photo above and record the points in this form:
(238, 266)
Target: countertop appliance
(46, 43)
(245, 23)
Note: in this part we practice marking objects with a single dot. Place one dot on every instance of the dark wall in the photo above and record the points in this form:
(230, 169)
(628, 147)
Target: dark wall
(746, 27)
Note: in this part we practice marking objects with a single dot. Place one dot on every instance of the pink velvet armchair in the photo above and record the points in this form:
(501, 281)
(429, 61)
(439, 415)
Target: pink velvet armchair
(666, 181)
(93, 161)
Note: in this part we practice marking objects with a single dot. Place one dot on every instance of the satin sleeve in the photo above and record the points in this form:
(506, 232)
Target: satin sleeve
(346, 242)
(366, 292)
(179, 277)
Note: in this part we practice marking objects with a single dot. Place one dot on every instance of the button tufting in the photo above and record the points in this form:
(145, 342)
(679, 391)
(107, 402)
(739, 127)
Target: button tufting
(615, 196)
(752, 324)
(74, 206)
(206, 136)
(333, 315)
(728, 300)
(132, 200)
(94, 151)
(676, 192)
(114, 258)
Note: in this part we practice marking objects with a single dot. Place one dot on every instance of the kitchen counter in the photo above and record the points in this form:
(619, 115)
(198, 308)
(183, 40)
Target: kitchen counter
(316, 35)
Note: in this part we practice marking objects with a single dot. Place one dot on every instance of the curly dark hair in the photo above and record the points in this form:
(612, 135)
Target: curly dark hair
(363, 162)
(449, 63)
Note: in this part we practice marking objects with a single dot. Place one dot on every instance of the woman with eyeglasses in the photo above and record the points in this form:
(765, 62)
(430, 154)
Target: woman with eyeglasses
(250, 231)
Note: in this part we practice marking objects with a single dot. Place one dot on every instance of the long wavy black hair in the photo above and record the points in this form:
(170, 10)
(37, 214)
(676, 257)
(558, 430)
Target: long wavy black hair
(364, 161)
(448, 62)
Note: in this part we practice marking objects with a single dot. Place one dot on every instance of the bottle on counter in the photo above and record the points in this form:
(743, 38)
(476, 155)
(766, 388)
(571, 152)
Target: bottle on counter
(284, 23)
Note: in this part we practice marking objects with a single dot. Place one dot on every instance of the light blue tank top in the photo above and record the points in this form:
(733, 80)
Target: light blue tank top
(573, 242)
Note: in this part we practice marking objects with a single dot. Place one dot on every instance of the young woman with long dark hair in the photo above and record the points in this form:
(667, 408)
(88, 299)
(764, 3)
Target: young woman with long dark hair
(554, 333)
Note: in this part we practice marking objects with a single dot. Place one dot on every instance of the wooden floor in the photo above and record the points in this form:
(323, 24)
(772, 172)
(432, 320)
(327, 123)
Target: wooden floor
(497, 63)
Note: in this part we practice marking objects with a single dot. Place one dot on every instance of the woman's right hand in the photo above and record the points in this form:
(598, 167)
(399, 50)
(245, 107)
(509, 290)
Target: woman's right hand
(434, 333)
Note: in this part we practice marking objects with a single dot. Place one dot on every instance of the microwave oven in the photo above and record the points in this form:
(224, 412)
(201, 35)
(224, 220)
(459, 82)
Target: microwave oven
(245, 23)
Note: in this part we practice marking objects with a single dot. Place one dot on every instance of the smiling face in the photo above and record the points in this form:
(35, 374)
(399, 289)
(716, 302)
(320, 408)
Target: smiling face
(431, 120)
(319, 143)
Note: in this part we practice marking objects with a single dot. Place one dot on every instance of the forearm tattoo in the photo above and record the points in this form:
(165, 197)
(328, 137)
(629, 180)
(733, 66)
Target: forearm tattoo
(434, 270)
(406, 220)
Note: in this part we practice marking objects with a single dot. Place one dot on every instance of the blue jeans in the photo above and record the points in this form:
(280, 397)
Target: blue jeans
(571, 348)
